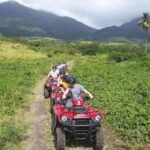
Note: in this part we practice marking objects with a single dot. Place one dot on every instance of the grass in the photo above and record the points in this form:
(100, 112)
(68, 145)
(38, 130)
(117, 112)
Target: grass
(16, 51)
(20, 69)
(122, 90)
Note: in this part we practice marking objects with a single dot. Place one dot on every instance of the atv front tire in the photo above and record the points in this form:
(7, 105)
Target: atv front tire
(60, 139)
(99, 140)
(46, 93)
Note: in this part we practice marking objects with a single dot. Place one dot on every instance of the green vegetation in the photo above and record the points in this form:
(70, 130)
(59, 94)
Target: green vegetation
(122, 90)
(49, 46)
(88, 49)
(20, 70)
(118, 75)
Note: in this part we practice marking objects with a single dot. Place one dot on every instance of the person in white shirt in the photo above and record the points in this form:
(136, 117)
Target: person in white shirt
(54, 73)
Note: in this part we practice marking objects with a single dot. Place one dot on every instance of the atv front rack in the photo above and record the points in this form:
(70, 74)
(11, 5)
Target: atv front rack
(81, 129)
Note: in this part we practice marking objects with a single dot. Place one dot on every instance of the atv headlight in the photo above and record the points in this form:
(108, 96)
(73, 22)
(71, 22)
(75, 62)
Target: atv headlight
(97, 118)
(64, 118)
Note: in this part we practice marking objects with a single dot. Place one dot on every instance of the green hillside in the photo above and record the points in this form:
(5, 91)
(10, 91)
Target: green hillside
(19, 20)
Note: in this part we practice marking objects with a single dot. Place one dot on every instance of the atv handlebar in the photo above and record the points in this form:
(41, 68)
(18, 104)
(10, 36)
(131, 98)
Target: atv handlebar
(86, 97)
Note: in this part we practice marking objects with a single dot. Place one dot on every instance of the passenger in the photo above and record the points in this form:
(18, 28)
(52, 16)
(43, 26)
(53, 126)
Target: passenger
(74, 91)
(63, 83)
(59, 66)
(54, 73)
(64, 66)
(61, 74)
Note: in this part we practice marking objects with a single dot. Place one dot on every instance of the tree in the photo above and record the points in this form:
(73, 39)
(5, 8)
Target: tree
(144, 23)
(88, 48)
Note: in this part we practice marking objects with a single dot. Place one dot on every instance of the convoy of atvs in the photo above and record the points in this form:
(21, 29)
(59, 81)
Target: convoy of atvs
(72, 118)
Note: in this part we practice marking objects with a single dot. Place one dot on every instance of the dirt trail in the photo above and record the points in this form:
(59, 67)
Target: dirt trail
(39, 137)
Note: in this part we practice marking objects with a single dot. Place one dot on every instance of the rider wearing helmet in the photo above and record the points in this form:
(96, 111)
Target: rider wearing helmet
(62, 72)
(64, 66)
(74, 91)
(54, 67)
(63, 82)
(55, 72)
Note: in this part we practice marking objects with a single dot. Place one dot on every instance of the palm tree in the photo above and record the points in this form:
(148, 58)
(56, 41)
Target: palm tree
(144, 23)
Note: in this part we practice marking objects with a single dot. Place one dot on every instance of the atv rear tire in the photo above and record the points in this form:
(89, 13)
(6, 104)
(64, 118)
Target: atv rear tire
(46, 93)
(99, 140)
(53, 124)
(51, 105)
(60, 139)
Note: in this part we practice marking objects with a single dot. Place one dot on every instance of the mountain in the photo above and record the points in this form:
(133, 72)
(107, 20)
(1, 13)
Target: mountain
(129, 30)
(19, 20)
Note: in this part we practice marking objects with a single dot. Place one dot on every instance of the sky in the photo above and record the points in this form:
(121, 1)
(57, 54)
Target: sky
(95, 13)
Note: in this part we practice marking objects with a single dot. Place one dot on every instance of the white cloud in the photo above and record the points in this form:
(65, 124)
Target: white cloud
(95, 13)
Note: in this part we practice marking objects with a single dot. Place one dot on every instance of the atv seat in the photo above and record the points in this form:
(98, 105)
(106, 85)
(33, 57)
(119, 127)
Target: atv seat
(80, 109)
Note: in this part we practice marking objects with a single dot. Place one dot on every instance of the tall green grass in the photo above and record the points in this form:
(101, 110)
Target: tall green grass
(20, 70)
(122, 90)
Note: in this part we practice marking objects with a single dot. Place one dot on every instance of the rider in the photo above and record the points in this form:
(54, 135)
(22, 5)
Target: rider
(74, 91)
(63, 83)
(61, 80)
(54, 73)
(64, 66)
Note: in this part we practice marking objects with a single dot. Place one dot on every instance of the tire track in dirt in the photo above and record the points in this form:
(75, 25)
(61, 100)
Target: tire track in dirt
(38, 136)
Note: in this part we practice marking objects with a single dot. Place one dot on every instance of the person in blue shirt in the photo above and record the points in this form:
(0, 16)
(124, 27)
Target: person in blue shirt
(74, 91)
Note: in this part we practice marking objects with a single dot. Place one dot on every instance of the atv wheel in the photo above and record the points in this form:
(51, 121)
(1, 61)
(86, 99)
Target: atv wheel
(51, 105)
(60, 139)
(53, 125)
(46, 93)
(99, 140)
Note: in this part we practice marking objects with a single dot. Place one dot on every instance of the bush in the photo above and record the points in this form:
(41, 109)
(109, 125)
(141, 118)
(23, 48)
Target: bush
(35, 43)
(49, 55)
(124, 56)
(88, 49)
(11, 134)
(58, 51)
(71, 52)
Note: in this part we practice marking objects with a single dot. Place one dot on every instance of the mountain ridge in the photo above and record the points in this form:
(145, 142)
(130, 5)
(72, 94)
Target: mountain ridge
(128, 30)
(19, 20)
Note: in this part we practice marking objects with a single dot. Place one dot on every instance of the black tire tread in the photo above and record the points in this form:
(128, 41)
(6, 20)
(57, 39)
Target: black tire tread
(60, 139)
(46, 93)
(52, 125)
(99, 143)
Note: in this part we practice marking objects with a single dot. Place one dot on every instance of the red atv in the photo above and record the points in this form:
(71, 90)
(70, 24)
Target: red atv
(56, 96)
(81, 123)
(48, 86)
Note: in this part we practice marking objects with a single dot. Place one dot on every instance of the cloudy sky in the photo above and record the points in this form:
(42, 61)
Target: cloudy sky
(95, 13)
